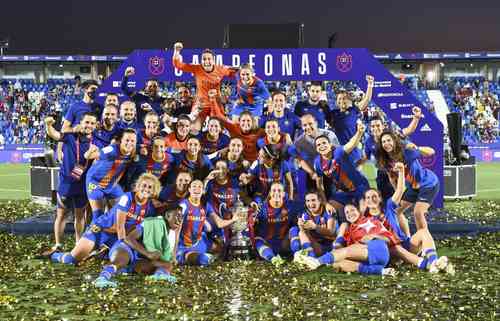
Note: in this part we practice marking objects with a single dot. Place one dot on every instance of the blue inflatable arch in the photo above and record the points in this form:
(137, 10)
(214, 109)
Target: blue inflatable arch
(301, 64)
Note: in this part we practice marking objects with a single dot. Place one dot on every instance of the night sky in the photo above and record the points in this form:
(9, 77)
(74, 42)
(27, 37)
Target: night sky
(106, 27)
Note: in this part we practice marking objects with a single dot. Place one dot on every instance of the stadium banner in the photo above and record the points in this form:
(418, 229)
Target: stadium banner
(19, 156)
(487, 55)
(77, 58)
(486, 152)
(23, 147)
(299, 64)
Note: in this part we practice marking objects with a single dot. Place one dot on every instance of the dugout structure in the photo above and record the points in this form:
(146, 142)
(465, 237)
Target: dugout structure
(300, 64)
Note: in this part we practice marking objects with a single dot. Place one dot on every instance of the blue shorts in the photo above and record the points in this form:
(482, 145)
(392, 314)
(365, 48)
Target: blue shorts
(132, 254)
(71, 202)
(349, 197)
(99, 237)
(255, 109)
(66, 188)
(423, 194)
(96, 193)
(378, 252)
(202, 246)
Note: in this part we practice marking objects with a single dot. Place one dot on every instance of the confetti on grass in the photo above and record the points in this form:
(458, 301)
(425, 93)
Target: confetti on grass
(11, 211)
(35, 289)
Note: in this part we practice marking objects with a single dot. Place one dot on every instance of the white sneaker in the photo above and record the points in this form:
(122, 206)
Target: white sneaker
(211, 258)
(439, 265)
(442, 263)
(433, 268)
(298, 257)
(311, 263)
(389, 272)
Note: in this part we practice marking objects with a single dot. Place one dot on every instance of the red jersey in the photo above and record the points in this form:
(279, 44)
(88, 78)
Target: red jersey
(368, 225)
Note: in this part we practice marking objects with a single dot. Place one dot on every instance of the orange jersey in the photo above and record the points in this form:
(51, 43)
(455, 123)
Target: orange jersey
(250, 151)
(205, 80)
(172, 141)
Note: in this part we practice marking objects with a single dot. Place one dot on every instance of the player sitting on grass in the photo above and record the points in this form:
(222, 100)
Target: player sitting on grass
(420, 242)
(367, 250)
(316, 227)
(111, 228)
(193, 245)
(146, 250)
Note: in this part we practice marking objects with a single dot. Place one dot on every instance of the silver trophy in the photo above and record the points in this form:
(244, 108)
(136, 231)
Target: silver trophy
(239, 244)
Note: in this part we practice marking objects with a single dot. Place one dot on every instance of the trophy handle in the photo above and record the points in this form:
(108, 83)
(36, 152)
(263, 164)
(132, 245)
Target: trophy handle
(177, 235)
(222, 207)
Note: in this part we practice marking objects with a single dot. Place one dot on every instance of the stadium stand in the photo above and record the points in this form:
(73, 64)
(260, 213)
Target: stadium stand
(24, 103)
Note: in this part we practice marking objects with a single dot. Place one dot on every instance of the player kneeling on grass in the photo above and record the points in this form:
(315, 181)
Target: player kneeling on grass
(193, 245)
(146, 249)
(367, 250)
(316, 227)
(110, 229)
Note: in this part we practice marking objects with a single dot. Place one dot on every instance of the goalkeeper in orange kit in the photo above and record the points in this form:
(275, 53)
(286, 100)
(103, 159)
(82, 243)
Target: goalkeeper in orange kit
(208, 76)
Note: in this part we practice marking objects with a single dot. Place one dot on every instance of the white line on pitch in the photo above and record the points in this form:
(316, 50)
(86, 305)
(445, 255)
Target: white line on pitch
(7, 175)
(489, 190)
(13, 190)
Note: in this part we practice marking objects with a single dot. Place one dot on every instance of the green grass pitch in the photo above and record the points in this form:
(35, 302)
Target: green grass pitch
(15, 180)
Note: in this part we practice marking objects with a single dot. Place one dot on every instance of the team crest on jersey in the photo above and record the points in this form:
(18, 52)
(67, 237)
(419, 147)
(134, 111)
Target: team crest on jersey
(344, 62)
(428, 161)
(156, 65)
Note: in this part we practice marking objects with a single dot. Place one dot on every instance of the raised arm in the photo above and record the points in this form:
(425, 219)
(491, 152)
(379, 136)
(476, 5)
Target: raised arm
(51, 131)
(209, 177)
(354, 141)
(129, 71)
(177, 59)
(363, 104)
(424, 150)
(400, 186)
(289, 179)
(417, 114)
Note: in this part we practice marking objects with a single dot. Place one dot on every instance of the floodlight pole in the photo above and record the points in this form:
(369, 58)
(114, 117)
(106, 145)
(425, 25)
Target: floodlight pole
(331, 40)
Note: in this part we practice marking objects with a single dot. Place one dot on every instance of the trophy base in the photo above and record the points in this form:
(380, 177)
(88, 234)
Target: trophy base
(239, 253)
